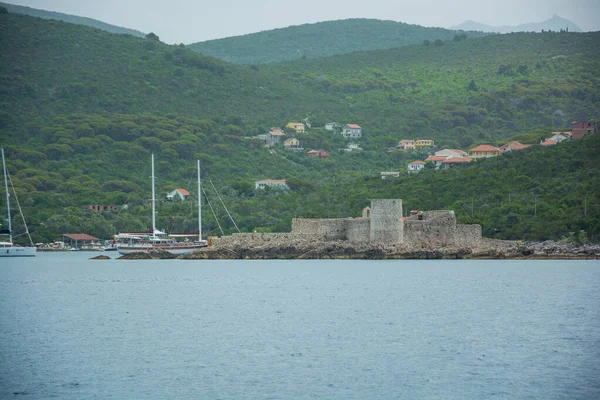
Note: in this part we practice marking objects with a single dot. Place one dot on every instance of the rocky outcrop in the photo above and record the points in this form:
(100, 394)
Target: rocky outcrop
(100, 258)
(303, 248)
(148, 255)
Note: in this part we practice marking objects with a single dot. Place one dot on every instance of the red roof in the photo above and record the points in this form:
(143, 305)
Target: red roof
(417, 162)
(312, 152)
(353, 126)
(183, 192)
(79, 236)
(455, 160)
(276, 133)
(484, 147)
(271, 181)
(458, 151)
(436, 158)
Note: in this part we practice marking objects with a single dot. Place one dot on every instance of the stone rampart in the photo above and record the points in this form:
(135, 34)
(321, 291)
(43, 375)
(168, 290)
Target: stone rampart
(386, 221)
(358, 230)
(325, 229)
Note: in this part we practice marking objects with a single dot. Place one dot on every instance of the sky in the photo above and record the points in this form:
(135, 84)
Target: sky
(188, 21)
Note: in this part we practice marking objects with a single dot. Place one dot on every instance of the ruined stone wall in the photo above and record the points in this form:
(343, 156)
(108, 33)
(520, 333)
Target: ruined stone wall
(467, 235)
(433, 229)
(325, 229)
(358, 230)
(386, 221)
(252, 239)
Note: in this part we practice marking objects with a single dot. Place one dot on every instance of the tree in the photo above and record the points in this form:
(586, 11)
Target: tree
(439, 42)
(152, 36)
(473, 86)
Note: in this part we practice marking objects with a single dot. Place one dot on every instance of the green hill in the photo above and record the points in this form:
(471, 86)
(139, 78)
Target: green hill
(321, 39)
(81, 110)
(73, 19)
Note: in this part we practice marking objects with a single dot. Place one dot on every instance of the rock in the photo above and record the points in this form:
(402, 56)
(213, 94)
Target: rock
(100, 258)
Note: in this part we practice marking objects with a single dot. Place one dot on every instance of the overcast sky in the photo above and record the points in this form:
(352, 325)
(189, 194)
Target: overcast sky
(188, 21)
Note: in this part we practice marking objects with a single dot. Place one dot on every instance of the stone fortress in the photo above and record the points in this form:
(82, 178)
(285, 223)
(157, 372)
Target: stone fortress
(383, 223)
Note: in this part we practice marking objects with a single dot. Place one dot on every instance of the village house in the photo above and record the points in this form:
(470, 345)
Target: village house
(420, 143)
(273, 183)
(453, 162)
(333, 126)
(512, 146)
(390, 174)
(440, 158)
(484, 151)
(581, 128)
(406, 144)
(178, 194)
(416, 166)
(352, 147)
(292, 144)
(298, 127)
(352, 131)
(317, 153)
(274, 136)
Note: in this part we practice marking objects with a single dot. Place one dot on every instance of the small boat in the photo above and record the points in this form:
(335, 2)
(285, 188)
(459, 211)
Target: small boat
(127, 243)
(9, 249)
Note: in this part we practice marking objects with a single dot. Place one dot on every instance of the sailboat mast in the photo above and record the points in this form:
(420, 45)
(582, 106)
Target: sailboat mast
(153, 203)
(7, 197)
(199, 206)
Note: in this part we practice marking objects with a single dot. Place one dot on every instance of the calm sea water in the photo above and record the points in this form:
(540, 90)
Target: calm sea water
(73, 328)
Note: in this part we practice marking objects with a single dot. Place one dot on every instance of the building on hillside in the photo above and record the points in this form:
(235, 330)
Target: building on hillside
(352, 147)
(273, 183)
(453, 162)
(292, 144)
(484, 151)
(77, 240)
(333, 126)
(421, 143)
(102, 207)
(548, 142)
(274, 136)
(581, 128)
(406, 144)
(389, 174)
(298, 127)
(440, 157)
(561, 136)
(512, 146)
(451, 153)
(352, 131)
(416, 166)
(178, 194)
(317, 153)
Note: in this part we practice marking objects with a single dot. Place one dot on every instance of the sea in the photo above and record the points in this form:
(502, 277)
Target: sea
(75, 328)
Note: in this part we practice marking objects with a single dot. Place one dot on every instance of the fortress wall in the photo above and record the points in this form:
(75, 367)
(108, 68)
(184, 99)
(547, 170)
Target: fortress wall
(467, 235)
(252, 238)
(358, 230)
(435, 229)
(325, 229)
(386, 221)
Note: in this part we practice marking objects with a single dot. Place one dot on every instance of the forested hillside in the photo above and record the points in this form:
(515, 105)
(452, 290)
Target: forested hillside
(73, 19)
(322, 39)
(82, 110)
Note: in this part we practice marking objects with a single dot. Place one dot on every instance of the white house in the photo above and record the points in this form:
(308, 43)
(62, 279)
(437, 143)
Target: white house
(276, 183)
(332, 126)
(352, 131)
(416, 166)
(390, 174)
(178, 194)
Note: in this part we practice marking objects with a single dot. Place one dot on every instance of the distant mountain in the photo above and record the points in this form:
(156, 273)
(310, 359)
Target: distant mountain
(73, 19)
(321, 39)
(555, 23)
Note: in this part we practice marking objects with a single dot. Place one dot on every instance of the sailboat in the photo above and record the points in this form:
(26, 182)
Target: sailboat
(9, 249)
(127, 243)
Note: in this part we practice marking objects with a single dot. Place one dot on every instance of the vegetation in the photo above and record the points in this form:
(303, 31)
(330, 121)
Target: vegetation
(322, 39)
(81, 111)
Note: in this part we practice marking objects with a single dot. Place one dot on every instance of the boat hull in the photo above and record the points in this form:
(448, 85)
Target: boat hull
(17, 251)
(179, 249)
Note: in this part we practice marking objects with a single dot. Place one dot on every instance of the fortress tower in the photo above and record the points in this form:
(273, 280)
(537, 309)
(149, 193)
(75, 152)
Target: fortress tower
(386, 221)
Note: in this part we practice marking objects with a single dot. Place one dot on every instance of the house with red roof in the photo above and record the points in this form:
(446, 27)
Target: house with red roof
(178, 194)
(416, 166)
(352, 131)
(440, 158)
(317, 153)
(484, 151)
(292, 144)
(513, 146)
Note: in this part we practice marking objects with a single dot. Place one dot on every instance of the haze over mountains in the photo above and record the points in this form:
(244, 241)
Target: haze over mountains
(555, 23)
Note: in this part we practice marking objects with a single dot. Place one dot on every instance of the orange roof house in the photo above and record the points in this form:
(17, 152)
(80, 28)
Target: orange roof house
(178, 194)
(513, 146)
(484, 151)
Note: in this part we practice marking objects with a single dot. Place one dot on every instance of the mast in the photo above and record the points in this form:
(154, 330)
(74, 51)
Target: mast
(199, 206)
(7, 197)
(153, 203)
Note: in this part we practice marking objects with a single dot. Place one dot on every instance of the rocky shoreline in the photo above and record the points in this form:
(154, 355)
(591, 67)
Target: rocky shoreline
(305, 249)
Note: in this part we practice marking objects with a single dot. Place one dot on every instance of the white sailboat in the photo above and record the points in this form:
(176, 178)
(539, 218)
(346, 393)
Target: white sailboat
(9, 249)
(157, 240)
